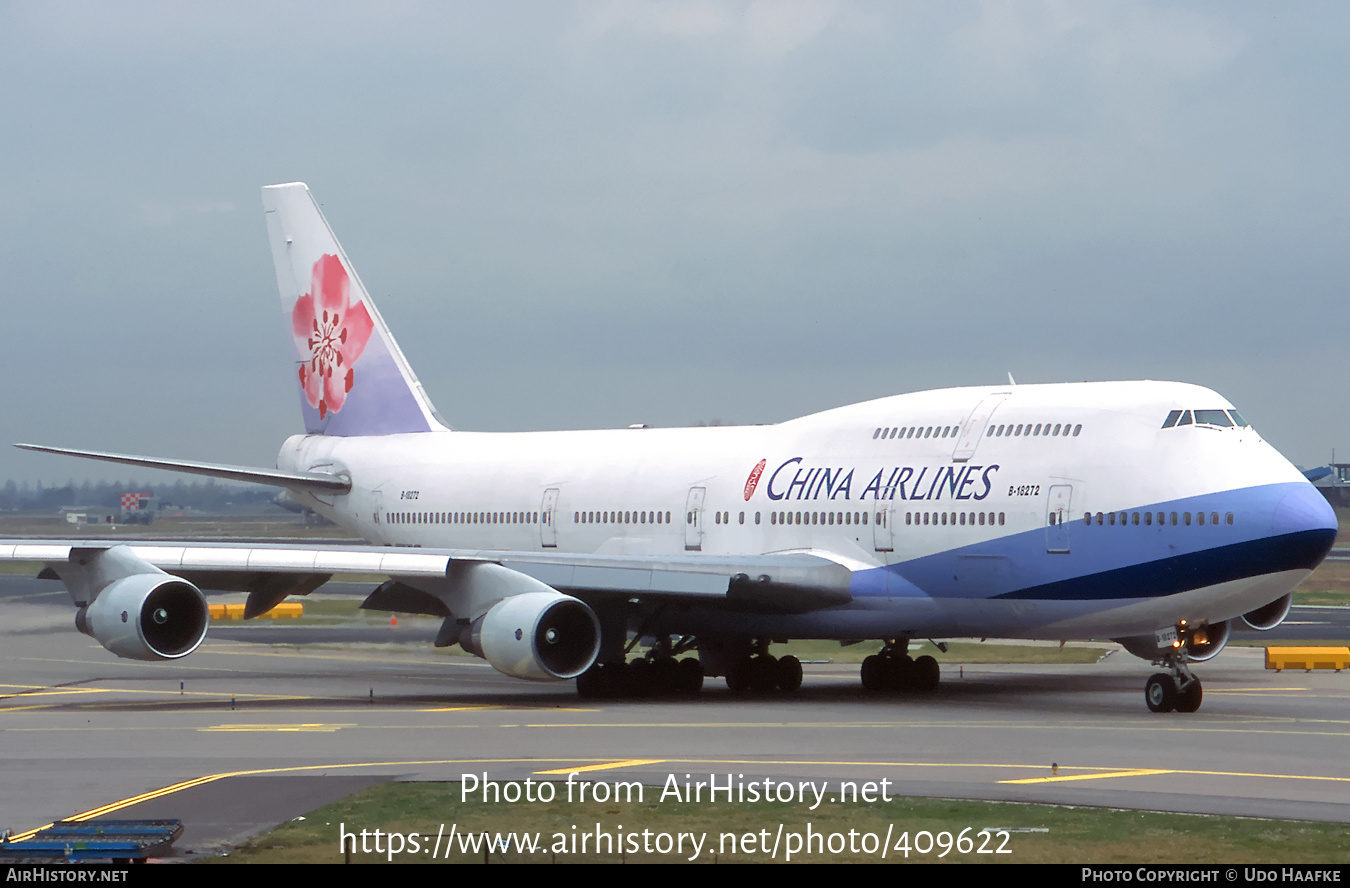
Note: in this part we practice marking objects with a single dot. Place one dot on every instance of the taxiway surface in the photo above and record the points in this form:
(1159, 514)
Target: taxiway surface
(243, 735)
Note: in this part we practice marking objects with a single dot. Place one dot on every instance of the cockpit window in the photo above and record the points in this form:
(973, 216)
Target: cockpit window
(1225, 419)
(1213, 417)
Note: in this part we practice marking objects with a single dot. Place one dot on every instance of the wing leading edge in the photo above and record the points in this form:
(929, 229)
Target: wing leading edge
(795, 582)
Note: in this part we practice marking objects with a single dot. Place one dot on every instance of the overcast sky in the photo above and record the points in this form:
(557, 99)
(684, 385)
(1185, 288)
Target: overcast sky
(596, 214)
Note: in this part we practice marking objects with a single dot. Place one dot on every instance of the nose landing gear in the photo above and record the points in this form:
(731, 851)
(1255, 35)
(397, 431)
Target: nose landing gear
(1177, 689)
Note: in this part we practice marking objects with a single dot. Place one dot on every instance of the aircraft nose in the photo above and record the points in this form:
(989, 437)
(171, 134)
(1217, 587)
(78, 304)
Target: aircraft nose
(1303, 509)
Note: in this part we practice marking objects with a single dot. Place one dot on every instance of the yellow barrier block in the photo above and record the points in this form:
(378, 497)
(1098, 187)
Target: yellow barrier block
(285, 610)
(1308, 658)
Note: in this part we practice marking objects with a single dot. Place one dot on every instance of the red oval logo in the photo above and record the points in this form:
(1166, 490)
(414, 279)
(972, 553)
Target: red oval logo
(753, 481)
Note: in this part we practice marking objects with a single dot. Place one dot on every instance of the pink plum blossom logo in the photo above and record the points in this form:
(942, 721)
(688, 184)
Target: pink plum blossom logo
(330, 334)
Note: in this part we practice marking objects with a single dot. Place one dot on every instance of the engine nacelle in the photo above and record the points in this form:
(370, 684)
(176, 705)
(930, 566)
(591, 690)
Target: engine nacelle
(1206, 641)
(541, 636)
(1204, 644)
(1271, 615)
(147, 616)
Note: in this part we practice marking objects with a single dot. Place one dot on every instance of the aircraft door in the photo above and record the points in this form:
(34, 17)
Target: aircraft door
(548, 523)
(1058, 519)
(883, 535)
(693, 520)
(377, 516)
(973, 428)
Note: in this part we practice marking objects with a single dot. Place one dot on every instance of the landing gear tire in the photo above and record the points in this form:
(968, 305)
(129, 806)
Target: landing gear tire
(927, 674)
(872, 669)
(1189, 697)
(899, 673)
(763, 673)
(1161, 693)
(665, 677)
(789, 673)
(602, 680)
(738, 676)
(590, 684)
(690, 677)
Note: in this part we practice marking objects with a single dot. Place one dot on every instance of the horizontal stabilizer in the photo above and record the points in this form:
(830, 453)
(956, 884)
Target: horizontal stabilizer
(315, 482)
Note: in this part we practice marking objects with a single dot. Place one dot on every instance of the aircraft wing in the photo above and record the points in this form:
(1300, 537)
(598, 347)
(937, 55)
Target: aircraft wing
(315, 482)
(791, 582)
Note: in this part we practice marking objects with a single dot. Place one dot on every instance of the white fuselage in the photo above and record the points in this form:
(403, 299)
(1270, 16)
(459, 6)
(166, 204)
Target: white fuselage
(1048, 510)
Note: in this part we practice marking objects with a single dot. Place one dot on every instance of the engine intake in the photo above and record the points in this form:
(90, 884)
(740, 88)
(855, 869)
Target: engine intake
(1270, 615)
(540, 636)
(1204, 643)
(149, 616)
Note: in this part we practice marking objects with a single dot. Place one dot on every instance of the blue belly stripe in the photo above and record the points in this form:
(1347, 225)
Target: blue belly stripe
(1278, 527)
(1181, 573)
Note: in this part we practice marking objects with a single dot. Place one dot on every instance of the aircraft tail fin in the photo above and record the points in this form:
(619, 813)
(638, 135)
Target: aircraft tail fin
(353, 378)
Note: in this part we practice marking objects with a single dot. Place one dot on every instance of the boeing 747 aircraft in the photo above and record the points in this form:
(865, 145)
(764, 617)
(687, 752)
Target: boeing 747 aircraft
(1147, 512)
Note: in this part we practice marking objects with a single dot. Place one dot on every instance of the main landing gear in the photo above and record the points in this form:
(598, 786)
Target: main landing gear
(763, 672)
(661, 676)
(894, 670)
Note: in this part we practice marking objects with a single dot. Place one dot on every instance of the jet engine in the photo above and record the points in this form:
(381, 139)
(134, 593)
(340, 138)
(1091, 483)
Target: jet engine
(1204, 644)
(1269, 616)
(147, 616)
(541, 636)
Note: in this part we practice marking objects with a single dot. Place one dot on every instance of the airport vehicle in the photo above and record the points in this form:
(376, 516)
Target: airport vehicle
(1148, 512)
